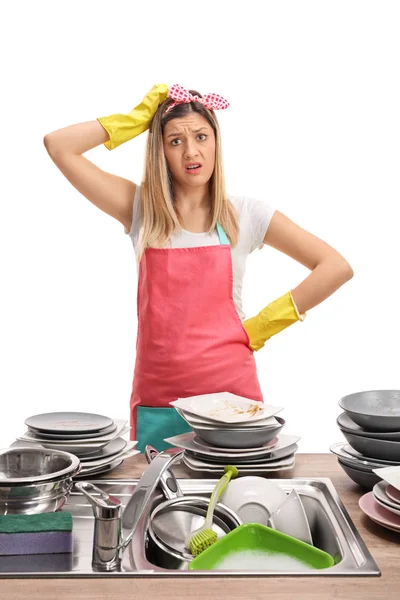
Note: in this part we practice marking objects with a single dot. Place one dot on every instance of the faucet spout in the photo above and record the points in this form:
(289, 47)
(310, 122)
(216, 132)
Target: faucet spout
(114, 528)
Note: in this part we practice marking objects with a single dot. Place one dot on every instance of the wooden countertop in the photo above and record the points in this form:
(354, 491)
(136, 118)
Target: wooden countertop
(383, 544)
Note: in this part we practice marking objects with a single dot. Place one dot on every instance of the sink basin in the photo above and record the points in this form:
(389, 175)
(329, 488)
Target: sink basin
(331, 527)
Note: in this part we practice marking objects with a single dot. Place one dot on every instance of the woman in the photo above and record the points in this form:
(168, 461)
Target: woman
(191, 241)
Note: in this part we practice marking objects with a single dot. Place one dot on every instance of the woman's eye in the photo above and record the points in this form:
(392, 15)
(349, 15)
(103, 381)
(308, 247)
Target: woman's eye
(204, 136)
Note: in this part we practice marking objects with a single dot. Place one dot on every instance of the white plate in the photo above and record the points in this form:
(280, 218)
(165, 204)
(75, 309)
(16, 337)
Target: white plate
(379, 491)
(291, 518)
(194, 420)
(254, 499)
(389, 474)
(99, 470)
(243, 471)
(204, 446)
(120, 430)
(88, 464)
(226, 407)
(185, 441)
(272, 465)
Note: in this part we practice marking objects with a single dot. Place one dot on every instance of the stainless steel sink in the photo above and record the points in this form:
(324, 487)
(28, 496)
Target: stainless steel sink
(331, 527)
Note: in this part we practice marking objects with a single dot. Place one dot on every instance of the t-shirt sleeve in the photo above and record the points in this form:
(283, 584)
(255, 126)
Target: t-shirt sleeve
(135, 225)
(259, 214)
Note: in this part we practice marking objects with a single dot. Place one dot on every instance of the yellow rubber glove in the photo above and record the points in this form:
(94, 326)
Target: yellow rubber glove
(271, 320)
(122, 128)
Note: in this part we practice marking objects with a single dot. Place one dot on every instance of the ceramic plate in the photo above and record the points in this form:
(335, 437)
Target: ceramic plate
(120, 430)
(226, 408)
(73, 436)
(346, 423)
(105, 469)
(90, 462)
(366, 464)
(385, 463)
(204, 446)
(381, 498)
(193, 419)
(185, 441)
(251, 469)
(389, 474)
(96, 464)
(393, 494)
(71, 422)
(238, 462)
(113, 447)
(254, 499)
(270, 464)
(377, 513)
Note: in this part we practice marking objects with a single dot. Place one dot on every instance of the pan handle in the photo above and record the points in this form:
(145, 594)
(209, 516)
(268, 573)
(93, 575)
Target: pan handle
(168, 481)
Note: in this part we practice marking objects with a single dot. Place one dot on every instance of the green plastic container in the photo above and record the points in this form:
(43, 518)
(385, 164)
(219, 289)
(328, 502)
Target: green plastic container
(247, 544)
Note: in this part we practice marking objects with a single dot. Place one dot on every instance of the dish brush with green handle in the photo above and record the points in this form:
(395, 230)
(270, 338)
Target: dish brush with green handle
(204, 537)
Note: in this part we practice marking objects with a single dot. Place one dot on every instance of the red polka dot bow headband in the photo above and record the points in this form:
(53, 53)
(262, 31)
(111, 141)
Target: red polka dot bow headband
(180, 95)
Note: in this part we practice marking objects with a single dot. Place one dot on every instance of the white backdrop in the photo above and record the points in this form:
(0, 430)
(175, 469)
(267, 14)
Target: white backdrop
(313, 129)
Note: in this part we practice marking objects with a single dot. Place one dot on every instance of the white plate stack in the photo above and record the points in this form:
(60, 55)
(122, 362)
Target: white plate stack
(230, 429)
(95, 439)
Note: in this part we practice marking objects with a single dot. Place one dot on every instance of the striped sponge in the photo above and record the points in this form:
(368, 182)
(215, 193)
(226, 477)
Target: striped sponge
(44, 533)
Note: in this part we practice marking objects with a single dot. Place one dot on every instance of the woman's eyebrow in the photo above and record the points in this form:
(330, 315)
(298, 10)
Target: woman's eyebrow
(193, 131)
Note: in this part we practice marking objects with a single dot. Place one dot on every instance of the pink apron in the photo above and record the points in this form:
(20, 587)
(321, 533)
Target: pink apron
(190, 339)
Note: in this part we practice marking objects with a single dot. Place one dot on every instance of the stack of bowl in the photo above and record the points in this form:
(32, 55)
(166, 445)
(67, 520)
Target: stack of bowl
(371, 425)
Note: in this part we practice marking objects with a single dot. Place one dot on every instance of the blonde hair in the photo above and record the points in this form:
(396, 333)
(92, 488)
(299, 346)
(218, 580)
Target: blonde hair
(158, 216)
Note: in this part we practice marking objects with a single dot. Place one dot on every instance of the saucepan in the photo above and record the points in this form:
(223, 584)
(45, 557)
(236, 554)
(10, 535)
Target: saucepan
(173, 519)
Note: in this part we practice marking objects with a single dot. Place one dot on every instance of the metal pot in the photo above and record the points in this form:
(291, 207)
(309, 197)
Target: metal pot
(35, 480)
(172, 520)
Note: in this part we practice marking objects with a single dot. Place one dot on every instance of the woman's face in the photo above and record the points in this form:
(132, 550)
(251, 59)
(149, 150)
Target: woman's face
(189, 140)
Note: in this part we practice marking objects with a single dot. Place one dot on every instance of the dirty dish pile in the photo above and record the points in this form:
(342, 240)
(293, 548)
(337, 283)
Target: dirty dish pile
(371, 425)
(95, 439)
(277, 455)
(229, 429)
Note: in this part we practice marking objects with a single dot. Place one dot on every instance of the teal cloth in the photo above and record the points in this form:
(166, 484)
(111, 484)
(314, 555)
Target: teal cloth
(153, 424)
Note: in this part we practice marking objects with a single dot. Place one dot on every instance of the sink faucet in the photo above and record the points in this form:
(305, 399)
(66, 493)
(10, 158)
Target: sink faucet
(113, 527)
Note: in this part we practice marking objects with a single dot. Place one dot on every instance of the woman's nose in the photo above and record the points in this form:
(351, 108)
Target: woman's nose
(190, 149)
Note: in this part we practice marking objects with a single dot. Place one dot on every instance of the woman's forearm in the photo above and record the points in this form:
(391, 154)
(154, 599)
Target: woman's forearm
(76, 139)
(327, 277)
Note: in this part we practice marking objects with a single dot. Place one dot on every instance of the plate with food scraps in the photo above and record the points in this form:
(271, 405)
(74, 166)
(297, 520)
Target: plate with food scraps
(226, 407)
(192, 419)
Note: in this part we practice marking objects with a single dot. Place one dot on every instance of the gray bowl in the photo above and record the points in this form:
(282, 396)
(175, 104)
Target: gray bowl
(253, 437)
(373, 448)
(363, 478)
(345, 423)
(374, 410)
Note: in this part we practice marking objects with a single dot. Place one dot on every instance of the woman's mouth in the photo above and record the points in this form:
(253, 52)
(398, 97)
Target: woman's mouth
(193, 168)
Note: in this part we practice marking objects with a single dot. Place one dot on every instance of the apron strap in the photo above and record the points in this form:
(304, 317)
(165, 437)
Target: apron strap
(223, 238)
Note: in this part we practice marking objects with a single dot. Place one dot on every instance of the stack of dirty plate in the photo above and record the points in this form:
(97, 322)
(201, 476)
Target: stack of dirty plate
(229, 429)
(371, 425)
(382, 505)
(95, 439)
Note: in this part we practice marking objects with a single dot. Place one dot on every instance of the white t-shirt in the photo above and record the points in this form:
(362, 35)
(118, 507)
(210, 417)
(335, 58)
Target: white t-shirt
(254, 219)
